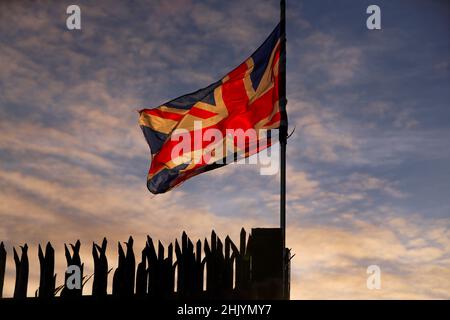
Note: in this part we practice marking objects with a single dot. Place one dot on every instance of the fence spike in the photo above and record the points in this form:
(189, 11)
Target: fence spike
(178, 252)
(207, 248)
(100, 282)
(129, 269)
(121, 252)
(2, 267)
(152, 253)
(227, 248)
(220, 248)
(190, 247)
(22, 271)
(141, 274)
(130, 241)
(95, 247)
(184, 242)
(40, 253)
(199, 251)
(170, 253)
(67, 253)
(160, 251)
(104, 244)
(213, 241)
(47, 268)
(243, 239)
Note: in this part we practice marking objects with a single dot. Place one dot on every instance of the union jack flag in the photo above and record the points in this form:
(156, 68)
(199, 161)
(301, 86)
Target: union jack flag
(246, 98)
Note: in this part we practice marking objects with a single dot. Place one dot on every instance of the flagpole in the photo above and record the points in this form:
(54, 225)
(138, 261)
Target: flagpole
(283, 136)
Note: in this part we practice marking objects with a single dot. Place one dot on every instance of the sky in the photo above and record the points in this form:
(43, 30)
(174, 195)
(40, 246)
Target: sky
(367, 166)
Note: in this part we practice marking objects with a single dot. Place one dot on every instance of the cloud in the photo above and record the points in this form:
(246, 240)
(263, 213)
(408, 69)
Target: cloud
(42, 209)
(331, 262)
(322, 137)
(330, 259)
(364, 182)
(397, 117)
(324, 57)
(300, 185)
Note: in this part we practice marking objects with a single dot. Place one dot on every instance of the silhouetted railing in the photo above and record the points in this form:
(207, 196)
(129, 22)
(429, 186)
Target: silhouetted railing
(212, 269)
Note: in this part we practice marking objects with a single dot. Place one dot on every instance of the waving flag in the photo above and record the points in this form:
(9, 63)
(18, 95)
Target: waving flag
(246, 98)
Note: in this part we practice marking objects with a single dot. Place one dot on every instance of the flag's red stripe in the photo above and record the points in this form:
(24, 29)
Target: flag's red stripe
(200, 113)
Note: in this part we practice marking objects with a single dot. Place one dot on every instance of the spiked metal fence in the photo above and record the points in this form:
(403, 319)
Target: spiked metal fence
(213, 269)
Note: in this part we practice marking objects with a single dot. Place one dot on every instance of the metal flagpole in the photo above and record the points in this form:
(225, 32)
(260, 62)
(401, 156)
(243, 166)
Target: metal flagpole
(283, 136)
